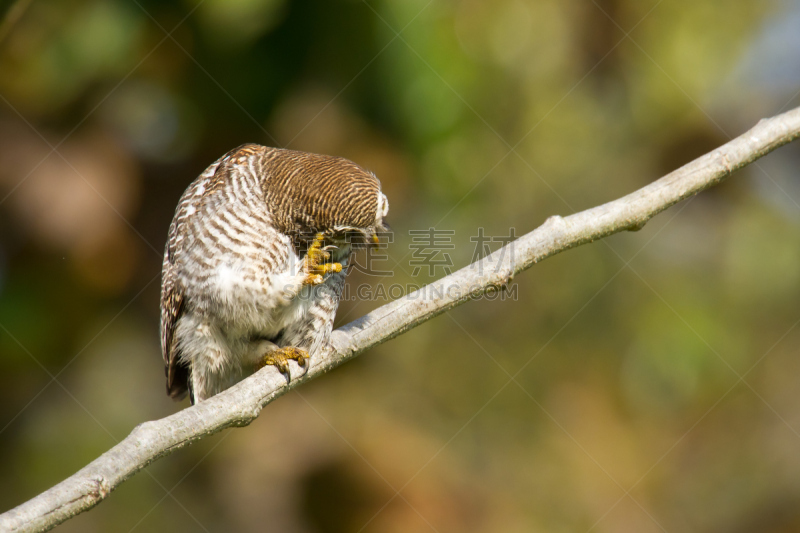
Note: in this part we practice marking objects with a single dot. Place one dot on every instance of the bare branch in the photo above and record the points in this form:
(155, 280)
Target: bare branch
(241, 404)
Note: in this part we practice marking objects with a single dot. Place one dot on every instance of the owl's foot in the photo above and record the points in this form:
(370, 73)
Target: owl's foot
(280, 359)
(315, 266)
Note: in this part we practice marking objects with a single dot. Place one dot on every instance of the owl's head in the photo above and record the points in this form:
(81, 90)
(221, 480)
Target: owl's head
(310, 193)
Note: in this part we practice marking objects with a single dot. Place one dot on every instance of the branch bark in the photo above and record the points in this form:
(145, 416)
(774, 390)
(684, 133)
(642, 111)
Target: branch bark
(241, 404)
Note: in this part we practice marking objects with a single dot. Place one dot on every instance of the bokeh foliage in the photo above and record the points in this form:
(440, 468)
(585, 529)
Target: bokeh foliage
(655, 374)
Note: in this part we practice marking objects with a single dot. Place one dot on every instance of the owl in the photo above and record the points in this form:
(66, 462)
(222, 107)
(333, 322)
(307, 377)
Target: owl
(255, 263)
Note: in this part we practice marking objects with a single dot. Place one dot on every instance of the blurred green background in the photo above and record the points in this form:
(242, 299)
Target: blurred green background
(656, 379)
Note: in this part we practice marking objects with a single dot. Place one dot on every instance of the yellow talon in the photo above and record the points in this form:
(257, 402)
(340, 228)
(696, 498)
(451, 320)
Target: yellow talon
(313, 279)
(280, 359)
(331, 267)
(315, 266)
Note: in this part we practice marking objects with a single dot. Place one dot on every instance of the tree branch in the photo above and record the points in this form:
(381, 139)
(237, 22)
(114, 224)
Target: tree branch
(241, 404)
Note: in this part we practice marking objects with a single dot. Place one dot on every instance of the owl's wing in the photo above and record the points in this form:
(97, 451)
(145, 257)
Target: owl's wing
(172, 294)
(171, 309)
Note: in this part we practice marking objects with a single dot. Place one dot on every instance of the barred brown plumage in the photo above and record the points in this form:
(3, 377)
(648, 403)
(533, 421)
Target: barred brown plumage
(255, 263)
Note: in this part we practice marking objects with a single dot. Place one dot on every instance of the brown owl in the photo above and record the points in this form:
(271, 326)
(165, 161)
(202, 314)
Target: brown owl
(255, 263)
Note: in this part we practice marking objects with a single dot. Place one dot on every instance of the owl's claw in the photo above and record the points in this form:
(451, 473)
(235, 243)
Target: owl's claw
(305, 365)
(280, 359)
(315, 266)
